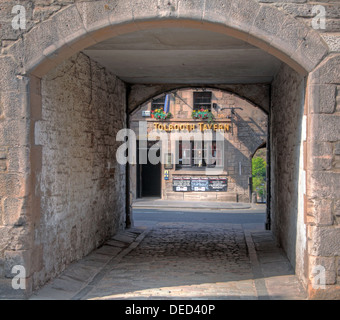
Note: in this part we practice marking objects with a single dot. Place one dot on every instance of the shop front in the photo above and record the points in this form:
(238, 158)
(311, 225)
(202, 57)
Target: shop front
(196, 150)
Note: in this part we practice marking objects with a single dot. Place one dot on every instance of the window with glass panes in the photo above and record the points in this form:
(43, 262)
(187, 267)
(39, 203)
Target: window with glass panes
(202, 100)
(158, 103)
(198, 154)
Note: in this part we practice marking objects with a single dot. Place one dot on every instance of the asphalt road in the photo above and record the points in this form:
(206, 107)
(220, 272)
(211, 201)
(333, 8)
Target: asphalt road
(151, 217)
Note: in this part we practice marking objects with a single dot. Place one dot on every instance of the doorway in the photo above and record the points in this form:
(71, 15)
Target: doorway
(148, 176)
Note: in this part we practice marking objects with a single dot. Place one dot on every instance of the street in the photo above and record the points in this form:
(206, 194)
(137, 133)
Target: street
(151, 216)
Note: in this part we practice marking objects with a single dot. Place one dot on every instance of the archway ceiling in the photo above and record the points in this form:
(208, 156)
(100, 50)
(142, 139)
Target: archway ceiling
(185, 56)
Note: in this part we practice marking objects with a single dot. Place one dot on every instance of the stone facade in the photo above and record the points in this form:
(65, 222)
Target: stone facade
(248, 132)
(59, 29)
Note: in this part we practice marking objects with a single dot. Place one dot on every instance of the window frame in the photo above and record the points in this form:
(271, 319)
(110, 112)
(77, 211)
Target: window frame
(198, 105)
(157, 104)
(201, 146)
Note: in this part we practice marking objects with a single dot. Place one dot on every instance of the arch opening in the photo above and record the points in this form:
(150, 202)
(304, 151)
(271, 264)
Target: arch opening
(100, 82)
(99, 70)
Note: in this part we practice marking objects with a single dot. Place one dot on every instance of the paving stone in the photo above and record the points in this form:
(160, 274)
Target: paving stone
(108, 250)
(123, 238)
(182, 261)
(116, 243)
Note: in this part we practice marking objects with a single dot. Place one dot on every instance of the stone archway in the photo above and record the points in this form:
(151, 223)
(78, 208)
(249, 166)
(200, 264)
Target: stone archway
(80, 25)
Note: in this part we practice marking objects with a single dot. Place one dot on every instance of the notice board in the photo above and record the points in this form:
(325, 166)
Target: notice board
(187, 184)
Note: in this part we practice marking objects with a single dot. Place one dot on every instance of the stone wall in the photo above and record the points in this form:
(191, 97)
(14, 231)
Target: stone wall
(323, 178)
(57, 29)
(81, 185)
(41, 10)
(287, 175)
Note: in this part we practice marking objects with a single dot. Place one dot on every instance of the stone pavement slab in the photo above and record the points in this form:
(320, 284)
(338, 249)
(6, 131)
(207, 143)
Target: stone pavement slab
(174, 204)
(176, 260)
(80, 274)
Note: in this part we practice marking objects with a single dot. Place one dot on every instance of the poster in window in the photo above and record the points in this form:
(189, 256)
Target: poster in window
(181, 184)
(200, 184)
(218, 184)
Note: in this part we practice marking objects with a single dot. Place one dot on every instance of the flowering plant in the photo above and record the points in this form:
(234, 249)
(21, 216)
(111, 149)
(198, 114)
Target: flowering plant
(160, 114)
(202, 114)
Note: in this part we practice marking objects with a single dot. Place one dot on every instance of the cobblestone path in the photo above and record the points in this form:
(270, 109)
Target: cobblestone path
(186, 261)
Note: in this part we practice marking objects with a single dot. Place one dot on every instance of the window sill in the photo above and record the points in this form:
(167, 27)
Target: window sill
(199, 172)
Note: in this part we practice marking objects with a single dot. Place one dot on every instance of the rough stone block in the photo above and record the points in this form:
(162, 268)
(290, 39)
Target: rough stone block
(324, 241)
(6, 17)
(228, 197)
(11, 185)
(67, 24)
(324, 127)
(327, 72)
(217, 11)
(20, 258)
(174, 196)
(14, 105)
(9, 70)
(337, 148)
(95, 14)
(290, 36)
(13, 210)
(268, 23)
(319, 149)
(306, 10)
(243, 14)
(19, 160)
(307, 57)
(317, 263)
(123, 11)
(321, 210)
(323, 184)
(322, 98)
(332, 25)
(333, 41)
(43, 13)
(14, 132)
(192, 9)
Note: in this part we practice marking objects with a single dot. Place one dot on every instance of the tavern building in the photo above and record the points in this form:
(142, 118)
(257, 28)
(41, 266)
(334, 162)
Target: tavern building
(217, 168)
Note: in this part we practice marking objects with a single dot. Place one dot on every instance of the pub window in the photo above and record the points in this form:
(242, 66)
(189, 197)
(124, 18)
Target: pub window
(198, 154)
(158, 103)
(202, 100)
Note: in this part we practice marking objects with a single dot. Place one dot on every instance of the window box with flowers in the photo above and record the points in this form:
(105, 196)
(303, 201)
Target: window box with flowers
(159, 114)
(202, 114)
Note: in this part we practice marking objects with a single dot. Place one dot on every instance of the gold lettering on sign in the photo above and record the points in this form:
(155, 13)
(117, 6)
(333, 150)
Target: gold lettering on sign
(191, 127)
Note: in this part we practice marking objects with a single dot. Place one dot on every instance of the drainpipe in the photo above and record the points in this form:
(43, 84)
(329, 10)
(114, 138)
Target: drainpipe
(268, 217)
(128, 209)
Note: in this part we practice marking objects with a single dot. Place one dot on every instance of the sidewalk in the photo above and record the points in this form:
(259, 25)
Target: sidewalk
(154, 203)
